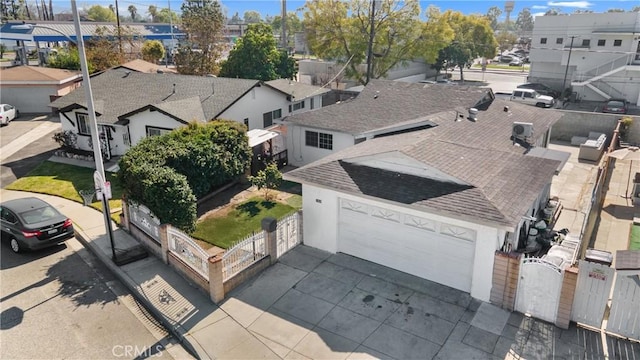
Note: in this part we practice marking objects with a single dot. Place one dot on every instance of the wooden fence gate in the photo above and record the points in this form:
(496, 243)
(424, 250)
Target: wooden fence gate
(624, 318)
(593, 291)
(539, 288)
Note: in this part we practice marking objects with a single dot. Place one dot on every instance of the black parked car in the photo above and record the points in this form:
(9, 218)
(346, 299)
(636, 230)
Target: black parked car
(31, 223)
(542, 89)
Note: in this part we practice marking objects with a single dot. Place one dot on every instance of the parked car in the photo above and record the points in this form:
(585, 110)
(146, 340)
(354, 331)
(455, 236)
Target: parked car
(31, 223)
(8, 113)
(616, 106)
(542, 89)
(532, 97)
(516, 62)
(506, 58)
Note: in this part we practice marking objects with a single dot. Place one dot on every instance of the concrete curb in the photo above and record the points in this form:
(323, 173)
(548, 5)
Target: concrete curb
(132, 286)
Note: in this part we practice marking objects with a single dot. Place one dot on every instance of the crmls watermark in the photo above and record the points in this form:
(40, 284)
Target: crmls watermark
(135, 351)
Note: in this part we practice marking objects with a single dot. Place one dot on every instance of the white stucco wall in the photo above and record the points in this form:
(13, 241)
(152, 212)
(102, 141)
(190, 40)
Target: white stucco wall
(253, 104)
(138, 124)
(321, 208)
(300, 154)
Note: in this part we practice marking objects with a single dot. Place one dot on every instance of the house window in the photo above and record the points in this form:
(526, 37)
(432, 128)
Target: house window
(319, 140)
(602, 42)
(156, 131)
(586, 42)
(268, 117)
(543, 40)
(83, 124)
(246, 122)
(126, 138)
(559, 41)
(617, 42)
(311, 105)
(298, 105)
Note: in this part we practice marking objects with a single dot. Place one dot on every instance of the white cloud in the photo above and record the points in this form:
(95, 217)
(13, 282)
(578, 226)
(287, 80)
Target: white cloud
(539, 7)
(574, 4)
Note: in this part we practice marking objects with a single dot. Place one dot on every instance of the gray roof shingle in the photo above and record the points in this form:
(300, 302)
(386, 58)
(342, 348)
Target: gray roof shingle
(383, 103)
(502, 182)
(296, 89)
(124, 91)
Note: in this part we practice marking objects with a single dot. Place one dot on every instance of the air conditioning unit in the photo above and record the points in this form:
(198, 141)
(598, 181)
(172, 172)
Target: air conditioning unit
(522, 130)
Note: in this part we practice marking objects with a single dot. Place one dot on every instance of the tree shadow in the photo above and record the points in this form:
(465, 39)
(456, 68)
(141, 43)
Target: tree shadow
(250, 208)
(268, 204)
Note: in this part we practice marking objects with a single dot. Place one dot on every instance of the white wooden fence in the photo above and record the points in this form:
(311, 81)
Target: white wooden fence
(243, 254)
(539, 288)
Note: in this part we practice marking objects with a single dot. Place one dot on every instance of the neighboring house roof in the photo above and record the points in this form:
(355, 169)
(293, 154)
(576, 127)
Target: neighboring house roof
(296, 89)
(383, 103)
(494, 181)
(35, 74)
(124, 92)
(145, 67)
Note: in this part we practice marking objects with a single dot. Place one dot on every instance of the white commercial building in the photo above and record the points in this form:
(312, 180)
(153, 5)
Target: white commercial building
(597, 55)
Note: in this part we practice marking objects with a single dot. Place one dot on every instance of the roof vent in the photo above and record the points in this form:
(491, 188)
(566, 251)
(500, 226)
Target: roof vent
(127, 73)
(473, 114)
(506, 108)
(160, 71)
(376, 95)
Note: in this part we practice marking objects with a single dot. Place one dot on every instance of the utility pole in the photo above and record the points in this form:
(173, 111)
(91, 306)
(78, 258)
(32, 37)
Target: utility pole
(284, 26)
(119, 34)
(566, 71)
(372, 33)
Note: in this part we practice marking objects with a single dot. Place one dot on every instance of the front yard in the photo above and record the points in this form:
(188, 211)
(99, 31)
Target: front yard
(221, 227)
(65, 181)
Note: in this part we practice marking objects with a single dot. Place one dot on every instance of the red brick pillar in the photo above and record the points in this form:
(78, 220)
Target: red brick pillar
(164, 243)
(506, 269)
(569, 282)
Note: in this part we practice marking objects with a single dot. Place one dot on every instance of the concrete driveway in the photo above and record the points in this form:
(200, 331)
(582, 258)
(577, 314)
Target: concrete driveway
(316, 305)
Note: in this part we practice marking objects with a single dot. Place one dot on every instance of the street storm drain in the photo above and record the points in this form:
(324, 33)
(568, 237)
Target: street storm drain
(368, 299)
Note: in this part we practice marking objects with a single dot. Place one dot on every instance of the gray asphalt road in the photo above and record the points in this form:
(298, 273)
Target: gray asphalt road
(56, 306)
(30, 153)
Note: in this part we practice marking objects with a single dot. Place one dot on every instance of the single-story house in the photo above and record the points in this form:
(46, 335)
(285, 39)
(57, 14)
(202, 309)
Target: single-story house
(316, 134)
(436, 199)
(32, 88)
(304, 97)
(130, 105)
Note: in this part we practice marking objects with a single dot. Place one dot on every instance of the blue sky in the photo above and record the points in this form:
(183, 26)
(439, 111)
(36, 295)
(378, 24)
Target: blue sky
(272, 7)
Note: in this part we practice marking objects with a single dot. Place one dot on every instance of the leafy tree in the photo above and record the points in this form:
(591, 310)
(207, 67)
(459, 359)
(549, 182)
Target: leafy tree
(165, 16)
(524, 22)
(133, 11)
(168, 173)
(506, 40)
(3, 49)
(255, 56)
(615, 10)
(235, 19)
(101, 14)
(68, 59)
(268, 179)
(473, 38)
(252, 17)
(581, 11)
(152, 50)
(286, 66)
(340, 31)
(105, 53)
(493, 14)
(293, 25)
(153, 12)
(203, 23)
(553, 12)
(635, 9)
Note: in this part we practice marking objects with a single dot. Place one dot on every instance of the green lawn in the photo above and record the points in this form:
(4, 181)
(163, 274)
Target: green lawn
(65, 181)
(634, 242)
(240, 222)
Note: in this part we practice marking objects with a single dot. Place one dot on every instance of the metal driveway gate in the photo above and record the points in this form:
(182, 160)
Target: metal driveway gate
(539, 288)
(288, 233)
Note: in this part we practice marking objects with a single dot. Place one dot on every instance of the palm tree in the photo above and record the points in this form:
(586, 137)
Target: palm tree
(153, 11)
(132, 10)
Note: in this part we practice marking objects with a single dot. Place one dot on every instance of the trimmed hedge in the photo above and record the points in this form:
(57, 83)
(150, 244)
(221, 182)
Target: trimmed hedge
(168, 173)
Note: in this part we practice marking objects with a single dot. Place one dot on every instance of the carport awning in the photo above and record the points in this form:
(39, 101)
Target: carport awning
(550, 154)
(259, 136)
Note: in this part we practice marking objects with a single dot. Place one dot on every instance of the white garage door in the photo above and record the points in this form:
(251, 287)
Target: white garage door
(401, 242)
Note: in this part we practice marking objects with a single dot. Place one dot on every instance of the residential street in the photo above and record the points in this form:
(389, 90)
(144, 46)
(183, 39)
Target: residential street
(62, 303)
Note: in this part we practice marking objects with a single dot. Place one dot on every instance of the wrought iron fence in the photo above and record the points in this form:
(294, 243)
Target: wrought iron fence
(188, 251)
(243, 254)
(288, 233)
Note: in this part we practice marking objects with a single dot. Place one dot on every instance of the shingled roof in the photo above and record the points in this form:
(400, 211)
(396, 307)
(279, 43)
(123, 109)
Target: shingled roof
(297, 90)
(494, 181)
(383, 103)
(124, 92)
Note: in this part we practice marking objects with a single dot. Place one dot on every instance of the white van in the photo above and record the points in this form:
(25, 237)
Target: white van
(532, 97)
